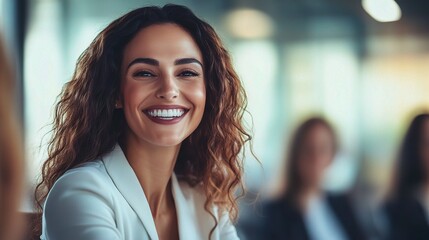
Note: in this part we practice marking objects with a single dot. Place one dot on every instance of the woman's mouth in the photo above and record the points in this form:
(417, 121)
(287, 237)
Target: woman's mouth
(166, 114)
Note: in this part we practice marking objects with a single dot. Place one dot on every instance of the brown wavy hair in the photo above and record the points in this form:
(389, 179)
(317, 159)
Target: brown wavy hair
(87, 126)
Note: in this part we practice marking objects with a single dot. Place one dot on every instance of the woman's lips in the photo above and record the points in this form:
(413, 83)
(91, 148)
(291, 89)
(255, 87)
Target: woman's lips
(166, 114)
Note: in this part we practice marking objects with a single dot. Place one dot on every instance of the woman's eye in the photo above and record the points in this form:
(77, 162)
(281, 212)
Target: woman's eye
(188, 74)
(143, 74)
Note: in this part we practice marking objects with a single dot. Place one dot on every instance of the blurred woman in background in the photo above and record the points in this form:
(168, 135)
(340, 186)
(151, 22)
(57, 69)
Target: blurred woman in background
(408, 206)
(11, 153)
(306, 211)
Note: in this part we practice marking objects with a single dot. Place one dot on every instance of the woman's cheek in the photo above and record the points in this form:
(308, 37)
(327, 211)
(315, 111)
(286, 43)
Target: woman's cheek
(197, 94)
(135, 92)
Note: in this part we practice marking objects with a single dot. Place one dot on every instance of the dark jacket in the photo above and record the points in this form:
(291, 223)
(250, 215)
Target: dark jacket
(407, 219)
(281, 219)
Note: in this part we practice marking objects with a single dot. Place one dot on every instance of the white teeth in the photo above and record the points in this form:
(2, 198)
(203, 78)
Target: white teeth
(166, 113)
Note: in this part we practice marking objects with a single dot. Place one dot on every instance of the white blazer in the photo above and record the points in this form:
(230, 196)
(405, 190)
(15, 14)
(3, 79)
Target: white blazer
(103, 200)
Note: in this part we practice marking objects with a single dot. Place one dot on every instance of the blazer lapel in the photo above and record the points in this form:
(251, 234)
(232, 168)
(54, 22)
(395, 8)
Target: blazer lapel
(186, 217)
(128, 185)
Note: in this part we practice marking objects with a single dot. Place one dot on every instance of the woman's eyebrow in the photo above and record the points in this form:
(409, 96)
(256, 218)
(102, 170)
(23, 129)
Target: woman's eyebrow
(155, 62)
(149, 61)
(187, 61)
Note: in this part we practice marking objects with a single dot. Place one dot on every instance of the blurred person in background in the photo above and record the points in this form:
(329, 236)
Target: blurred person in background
(407, 208)
(11, 154)
(305, 210)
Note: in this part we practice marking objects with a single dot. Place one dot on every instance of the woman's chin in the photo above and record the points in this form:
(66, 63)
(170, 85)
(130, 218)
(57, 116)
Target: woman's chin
(170, 141)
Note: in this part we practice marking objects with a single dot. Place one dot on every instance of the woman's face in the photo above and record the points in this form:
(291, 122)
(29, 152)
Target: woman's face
(163, 90)
(315, 154)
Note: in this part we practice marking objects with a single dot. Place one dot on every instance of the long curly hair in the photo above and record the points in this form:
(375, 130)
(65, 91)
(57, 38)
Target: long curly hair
(87, 126)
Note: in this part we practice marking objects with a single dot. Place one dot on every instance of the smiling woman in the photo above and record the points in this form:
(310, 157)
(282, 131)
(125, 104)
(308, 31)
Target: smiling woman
(140, 134)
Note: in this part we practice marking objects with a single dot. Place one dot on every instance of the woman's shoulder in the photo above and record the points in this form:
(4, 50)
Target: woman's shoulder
(93, 169)
(80, 204)
(88, 176)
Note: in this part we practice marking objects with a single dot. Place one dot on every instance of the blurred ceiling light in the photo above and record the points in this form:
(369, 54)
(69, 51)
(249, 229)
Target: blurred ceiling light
(249, 24)
(382, 10)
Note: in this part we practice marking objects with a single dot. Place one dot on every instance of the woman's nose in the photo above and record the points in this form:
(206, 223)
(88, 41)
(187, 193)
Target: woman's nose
(168, 89)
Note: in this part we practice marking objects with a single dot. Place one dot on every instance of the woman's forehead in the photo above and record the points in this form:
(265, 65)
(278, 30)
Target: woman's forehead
(164, 42)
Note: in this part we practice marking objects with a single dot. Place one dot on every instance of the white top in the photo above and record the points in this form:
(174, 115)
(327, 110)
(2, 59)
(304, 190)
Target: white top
(103, 200)
(321, 221)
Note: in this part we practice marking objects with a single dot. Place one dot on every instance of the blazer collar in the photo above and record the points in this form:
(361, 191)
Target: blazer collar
(126, 181)
(128, 185)
(187, 219)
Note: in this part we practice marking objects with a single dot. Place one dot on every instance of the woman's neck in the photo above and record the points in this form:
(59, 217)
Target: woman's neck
(154, 167)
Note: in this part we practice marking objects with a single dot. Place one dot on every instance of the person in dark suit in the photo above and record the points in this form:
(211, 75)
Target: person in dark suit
(407, 208)
(305, 210)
